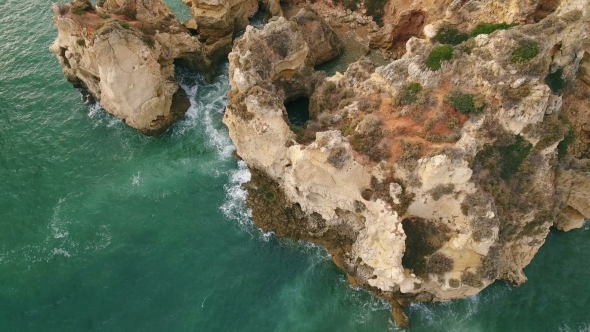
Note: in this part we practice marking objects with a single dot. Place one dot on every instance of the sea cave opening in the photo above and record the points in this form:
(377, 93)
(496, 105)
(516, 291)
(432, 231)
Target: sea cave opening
(298, 111)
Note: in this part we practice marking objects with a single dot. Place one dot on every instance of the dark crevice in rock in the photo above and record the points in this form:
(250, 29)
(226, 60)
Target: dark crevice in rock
(180, 104)
(298, 111)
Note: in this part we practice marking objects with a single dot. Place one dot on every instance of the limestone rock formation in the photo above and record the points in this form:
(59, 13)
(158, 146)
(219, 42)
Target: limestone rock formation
(428, 178)
(404, 19)
(216, 21)
(122, 52)
(322, 41)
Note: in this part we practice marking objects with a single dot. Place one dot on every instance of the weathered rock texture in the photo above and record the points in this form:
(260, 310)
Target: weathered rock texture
(123, 52)
(428, 178)
(400, 19)
(216, 21)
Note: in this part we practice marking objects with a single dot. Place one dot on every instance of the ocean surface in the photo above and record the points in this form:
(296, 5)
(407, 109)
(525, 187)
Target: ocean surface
(104, 229)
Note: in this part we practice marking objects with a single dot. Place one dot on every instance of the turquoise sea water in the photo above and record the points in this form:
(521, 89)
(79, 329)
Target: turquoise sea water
(103, 229)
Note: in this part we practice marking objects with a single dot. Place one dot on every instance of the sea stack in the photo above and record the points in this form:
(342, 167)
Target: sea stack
(122, 53)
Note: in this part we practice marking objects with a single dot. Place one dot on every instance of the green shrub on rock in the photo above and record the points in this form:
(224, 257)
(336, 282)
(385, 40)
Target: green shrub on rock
(409, 94)
(438, 55)
(564, 144)
(78, 10)
(149, 41)
(439, 264)
(487, 28)
(376, 9)
(450, 36)
(465, 103)
(471, 279)
(526, 50)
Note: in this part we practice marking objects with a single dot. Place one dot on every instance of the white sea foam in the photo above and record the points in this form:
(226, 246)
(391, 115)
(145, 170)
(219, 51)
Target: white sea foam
(102, 117)
(60, 251)
(208, 103)
(58, 223)
(94, 110)
(234, 207)
(135, 180)
(585, 327)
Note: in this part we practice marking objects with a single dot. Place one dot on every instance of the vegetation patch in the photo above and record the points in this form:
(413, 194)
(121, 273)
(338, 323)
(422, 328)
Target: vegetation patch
(439, 264)
(482, 227)
(130, 13)
(564, 145)
(441, 190)
(553, 129)
(505, 171)
(490, 265)
(349, 4)
(527, 49)
(471, 279)
(411, 153)
(438, 55)
(369, 145)
(104, 15)
(381, 190)
(450, 36)
(237, 105)
(78, 10)
(465, 103)
(329, 97)
(81, 42)
(423, 238)
(488, 28)
(513, 156)
(376, 9)
(338, 157)
(149, 41)
(555, 81)
(409, 94)
(124, 24)
(535, 227)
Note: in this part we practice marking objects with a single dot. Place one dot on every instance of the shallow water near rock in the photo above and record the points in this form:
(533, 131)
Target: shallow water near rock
(104, 229)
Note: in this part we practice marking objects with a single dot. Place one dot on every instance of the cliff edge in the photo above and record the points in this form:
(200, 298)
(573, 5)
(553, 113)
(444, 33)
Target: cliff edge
(122, 54)
(430, 177)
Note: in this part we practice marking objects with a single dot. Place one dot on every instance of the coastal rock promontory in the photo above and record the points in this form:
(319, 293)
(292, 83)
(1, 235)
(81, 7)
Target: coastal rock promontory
(123, 53)
(431, 177)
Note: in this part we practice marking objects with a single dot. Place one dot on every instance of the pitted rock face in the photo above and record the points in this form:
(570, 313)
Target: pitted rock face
(461, 159)
(123, 54)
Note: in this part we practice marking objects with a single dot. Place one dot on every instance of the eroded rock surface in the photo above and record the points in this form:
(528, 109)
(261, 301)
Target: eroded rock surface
(428, 178)
(122, 53)
(216, 21)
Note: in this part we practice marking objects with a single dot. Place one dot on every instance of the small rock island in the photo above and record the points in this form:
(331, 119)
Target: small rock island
(427, 178)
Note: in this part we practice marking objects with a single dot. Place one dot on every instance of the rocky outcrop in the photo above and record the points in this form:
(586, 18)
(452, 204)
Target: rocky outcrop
(404, 19)
(216, 21)
(428, 178)
(573, 178)
(322, 41)
(123, 52)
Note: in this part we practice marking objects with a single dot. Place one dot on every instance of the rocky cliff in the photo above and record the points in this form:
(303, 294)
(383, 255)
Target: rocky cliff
(123, 52)
(433, 176)
(216, 21)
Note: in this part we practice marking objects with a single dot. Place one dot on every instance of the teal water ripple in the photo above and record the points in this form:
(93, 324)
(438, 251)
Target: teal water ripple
(103, 229)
